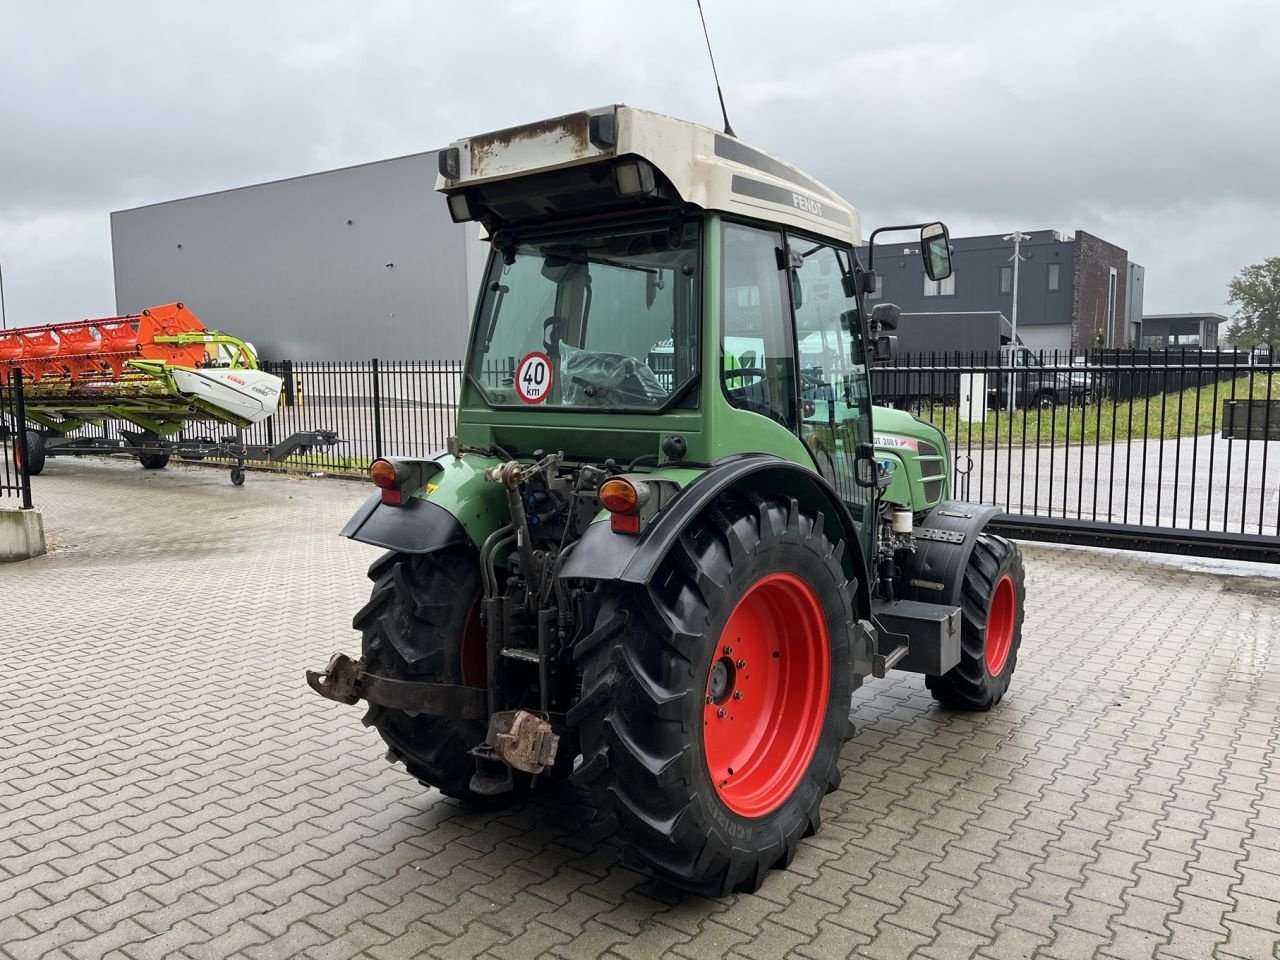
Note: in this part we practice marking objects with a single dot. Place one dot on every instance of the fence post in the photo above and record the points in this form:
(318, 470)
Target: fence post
(377, 411)
(24, 474)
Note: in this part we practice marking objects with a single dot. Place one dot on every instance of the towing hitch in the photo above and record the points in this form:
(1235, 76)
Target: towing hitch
(347, 681)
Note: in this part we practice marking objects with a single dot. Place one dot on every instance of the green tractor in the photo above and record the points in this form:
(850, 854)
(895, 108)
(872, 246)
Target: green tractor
(672, 535)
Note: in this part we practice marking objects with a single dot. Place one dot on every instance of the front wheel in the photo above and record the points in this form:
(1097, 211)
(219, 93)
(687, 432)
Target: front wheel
(716, 698)
(992, 598)
(153, 461)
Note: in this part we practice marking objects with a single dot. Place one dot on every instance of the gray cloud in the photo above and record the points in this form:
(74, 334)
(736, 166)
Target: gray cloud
(1149, 124)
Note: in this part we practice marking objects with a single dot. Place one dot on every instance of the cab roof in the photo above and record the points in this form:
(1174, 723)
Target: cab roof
(701, 166)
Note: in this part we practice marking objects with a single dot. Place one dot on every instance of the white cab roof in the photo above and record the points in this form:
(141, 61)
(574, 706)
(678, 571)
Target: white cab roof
(707, 168)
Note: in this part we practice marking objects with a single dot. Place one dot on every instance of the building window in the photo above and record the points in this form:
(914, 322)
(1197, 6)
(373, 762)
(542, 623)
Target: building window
(1006, 280)
(1055, 276)
(940, 288)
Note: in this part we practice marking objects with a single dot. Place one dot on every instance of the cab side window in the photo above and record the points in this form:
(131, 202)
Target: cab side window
(835, 402)
(757, 360)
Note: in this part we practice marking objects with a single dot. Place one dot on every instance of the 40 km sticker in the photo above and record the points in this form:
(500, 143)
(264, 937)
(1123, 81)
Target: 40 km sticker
(533, 378)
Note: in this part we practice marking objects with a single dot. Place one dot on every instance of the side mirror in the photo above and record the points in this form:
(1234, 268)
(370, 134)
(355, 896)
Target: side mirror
(884, 349)
(935, 249)
(885, 316)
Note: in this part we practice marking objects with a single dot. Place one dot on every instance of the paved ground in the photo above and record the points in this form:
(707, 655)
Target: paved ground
(169, 787)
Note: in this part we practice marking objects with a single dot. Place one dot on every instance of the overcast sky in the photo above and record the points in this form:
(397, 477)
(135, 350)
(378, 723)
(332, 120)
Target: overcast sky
(1154, 125)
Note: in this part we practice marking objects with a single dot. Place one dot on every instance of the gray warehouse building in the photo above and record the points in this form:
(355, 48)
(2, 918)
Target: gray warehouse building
(1073, 291)
(365, 262)
(347, 264)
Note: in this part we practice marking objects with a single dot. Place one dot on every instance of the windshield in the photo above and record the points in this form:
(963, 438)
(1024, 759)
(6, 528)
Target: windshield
(603, 318)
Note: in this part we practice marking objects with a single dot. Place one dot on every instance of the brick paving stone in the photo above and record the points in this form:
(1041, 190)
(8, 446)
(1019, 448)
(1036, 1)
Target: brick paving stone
(1123, 801)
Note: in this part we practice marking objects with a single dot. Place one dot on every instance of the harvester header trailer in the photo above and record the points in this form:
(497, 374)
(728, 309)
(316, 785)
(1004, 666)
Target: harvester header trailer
(157, 370)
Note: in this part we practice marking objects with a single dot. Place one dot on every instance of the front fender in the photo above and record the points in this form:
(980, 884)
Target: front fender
(934, 573)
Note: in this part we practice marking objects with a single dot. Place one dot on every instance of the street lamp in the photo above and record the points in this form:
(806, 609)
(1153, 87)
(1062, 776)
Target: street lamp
(1017, 237)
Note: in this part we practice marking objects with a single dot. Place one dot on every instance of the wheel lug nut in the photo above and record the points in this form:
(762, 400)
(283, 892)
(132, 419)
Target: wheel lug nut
(722, 713)
(710, 699)
(728, 650)
(741, 664)
(737, 694)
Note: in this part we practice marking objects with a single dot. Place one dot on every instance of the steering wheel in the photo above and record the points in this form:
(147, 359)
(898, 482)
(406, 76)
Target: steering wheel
(551, 329)
(756, 373)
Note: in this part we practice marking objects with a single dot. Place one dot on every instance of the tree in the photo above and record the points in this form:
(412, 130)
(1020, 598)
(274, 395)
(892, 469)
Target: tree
(1255, 293)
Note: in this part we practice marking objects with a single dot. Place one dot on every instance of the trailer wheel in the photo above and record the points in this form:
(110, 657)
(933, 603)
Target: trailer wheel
(153, 461)
(990, 630)
(423, 623)
(237, 476)
(30, 448)
(715, 699)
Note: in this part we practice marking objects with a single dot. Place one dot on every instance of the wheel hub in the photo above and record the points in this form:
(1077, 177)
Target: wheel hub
(720, 684)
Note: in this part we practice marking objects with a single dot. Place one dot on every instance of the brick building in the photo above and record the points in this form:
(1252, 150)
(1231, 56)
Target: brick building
(1074, 291)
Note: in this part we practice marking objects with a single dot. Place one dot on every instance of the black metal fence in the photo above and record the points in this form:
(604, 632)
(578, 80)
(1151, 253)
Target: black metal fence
(15, 479)
(1120, 447)
(1131, 447)
(377, 407)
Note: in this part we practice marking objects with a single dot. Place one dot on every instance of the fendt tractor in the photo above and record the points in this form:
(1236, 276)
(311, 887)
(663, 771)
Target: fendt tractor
(671, 535)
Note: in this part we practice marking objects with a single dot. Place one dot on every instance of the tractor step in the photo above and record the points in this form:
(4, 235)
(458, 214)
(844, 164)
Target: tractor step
(916, 637)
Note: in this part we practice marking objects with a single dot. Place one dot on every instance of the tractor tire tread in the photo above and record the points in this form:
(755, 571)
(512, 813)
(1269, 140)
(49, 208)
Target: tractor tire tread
(638, 756)
(969, 685)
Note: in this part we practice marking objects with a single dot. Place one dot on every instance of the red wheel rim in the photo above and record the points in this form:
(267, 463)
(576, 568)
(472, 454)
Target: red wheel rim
(766, 695)
(1000, 625)
(472, 660)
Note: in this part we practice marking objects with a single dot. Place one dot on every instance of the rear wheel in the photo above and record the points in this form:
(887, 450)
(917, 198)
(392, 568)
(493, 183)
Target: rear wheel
(423, 623)
(991, 627)
(30, 449)
(716, 698)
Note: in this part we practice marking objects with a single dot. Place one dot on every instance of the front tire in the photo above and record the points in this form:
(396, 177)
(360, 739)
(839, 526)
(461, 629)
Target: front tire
(992, 599)
(422, 623)
(716, 698)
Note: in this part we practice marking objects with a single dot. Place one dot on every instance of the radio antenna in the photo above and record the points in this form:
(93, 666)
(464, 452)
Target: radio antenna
(723, 112)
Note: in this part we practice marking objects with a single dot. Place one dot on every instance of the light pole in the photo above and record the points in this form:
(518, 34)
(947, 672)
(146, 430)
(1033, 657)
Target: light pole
(4, 323)
(1017, 237)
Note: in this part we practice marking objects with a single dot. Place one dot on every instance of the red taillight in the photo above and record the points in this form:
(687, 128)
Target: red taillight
(624, 522)
(618, 496)
(383, 474)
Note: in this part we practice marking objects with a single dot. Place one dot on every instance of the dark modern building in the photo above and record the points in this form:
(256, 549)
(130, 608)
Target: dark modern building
(1074, 292)
(348, 264)
(1172, 331)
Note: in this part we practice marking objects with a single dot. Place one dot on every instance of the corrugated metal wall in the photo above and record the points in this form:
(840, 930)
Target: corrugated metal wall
(352, 263)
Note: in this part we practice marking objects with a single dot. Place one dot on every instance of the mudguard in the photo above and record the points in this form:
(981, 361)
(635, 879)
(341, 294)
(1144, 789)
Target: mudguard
(944, 542)
(602, 554)
(419, 526)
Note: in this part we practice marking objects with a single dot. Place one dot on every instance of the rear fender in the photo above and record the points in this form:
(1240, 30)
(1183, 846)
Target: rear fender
(419, 526)
(602, 554)
(935, 572)
(456, 506)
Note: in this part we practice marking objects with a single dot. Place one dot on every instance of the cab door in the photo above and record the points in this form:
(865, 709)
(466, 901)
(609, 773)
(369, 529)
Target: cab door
(831, 364)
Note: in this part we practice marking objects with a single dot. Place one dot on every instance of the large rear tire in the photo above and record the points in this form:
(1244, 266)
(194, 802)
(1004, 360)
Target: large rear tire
(422, 623)
(992, 599)
(715, 699)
